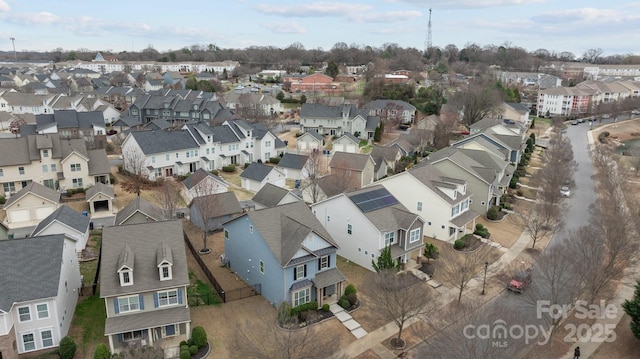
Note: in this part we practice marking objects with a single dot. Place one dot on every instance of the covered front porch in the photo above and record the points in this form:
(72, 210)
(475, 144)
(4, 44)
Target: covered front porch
(329, 286)
(463, 224)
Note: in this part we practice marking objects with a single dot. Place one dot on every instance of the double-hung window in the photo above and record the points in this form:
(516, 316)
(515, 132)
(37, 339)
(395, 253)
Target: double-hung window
(24, 314)
(414, 235)
(129, 304)
(389, 238)
(43, 311)
(169, 297)
(301, 297)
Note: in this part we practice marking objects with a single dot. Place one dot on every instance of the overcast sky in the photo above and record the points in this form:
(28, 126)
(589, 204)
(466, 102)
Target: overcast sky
(556, 25)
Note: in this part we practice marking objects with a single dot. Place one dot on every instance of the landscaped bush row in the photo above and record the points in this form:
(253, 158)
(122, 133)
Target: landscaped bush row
(274, 160)
(190, 347)
(72, 191)
(493, 213)
(481, 231)
(229, 168)
(295, 311)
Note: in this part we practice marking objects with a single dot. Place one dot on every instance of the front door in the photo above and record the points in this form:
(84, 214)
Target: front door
(168, 172)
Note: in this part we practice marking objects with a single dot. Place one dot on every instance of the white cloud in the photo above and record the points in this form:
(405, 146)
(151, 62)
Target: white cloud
(390, 16)
(4, 7)
(586, 15)
(286, 28)
(317, 9)
(466, 4)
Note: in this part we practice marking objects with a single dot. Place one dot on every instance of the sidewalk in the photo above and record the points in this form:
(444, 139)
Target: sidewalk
(374, 339)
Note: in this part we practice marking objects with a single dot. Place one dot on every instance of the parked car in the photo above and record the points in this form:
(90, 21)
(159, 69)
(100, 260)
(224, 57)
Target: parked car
(635, 112)
(520, 281)
(574, 122)
(565, 191)
(111, 132)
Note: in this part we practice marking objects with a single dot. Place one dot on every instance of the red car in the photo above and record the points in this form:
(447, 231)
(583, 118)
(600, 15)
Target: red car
(519, 281)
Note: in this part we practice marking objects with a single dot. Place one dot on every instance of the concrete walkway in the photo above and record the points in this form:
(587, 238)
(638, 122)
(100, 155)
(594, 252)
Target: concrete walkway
(345, 318)
(374, 339)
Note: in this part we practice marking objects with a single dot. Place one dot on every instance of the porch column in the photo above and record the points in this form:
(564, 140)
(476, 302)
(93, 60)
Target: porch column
(319, 297)
(188, 324)
(150, 333)
(92, 208)
(111, 343)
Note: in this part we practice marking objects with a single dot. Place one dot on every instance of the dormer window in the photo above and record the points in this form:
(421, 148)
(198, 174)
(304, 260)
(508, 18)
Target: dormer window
(125, 266)
(126, 277)
(164, 260)
(165, 271)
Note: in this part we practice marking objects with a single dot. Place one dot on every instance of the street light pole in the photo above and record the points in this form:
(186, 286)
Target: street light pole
(15, 54)
(486, 264)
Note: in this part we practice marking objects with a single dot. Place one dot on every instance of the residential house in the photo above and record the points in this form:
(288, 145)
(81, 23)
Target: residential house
(389, 155)
(51, 161)
(36, 313)
(258, 174)
(327, 186)
(500, 136)
(392, 111)
(336, 120)
(516, 112)
(202, 183)
(286, 252)
(30, 205)
(143, 281)
(366, 221)
(21, 103)
(295, 166)
(271, 195)
(214, 209)
(73, 124)
(100, 199)
(443, 202)
(173, 79)
(314, 83)
(360, 167)
(139, 211)
(346, 143)
(252, 105)
(487, 176)
(309, 141)
(64, 220)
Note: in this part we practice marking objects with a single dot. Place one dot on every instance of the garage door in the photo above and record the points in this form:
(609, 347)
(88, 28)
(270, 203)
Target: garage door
(19, 215)
(43, 212)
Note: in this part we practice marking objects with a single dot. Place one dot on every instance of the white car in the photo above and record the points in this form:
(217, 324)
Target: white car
(565, 191)
(635, 112)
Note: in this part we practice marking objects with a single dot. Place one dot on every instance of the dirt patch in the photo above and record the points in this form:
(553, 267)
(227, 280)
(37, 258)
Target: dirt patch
(625, 345)
(369, 354)
(290, 137)
(505, 232)
(622, 131)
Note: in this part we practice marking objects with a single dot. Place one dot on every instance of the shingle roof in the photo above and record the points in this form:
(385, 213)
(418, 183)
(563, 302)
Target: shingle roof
(256, 171)
(141, 205)
(152, 142)
(37, 261)
(143, 240)
(270, 195)
(98, 162)
(433, 178)
(388, 218)
(349, 136)
(99, 188)
(226, 203)
(468, 160)
(285, 227)
(64, 215)
(352, 161)
(198, 176)
(38, 190)
(224, 134)
(294, 161)
(387, 153)
(313, 134)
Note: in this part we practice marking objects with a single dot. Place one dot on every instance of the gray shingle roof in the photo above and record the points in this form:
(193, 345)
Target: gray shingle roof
(141, 205)
(98, 162)
(152, 142)
(270, 195)
(256, 171)
(29, 269)
(226, 203)
(294, 161)
(64, 215)
(314, 134)
(146, 319)
(99, 188)
(388, 218)
(387, 153)
(198, 176)
(224, 134)
(285, 227)
(472, 161)
(352, 161)
(433, 178)
(348, 135)
(38, 190)
(144, 240)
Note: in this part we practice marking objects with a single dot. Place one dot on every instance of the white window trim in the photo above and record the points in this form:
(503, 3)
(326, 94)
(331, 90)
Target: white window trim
(164, 330)
(122, 281)
(324, 262)
(389, 238)
(20, 316)
(50, 330)
(121, 299)
(35, 345)
(161, 273)
(298, 275)
(307, 295)
(38, 311)
(411, 239)
(168, 299)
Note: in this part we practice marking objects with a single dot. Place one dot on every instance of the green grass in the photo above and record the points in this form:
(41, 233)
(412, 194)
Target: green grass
(201, 294)
(88, 269)
(364, 143)
(288, 106)
(91, 315)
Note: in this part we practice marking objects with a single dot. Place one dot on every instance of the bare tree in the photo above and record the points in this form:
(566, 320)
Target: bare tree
(134, 162)
(207, 206)
(557, 170)
(460, 268)
(261, 338)
(443, 131)
(539, 221)
(398, 297)
(14, 126)
(477, 101)
(168, 196)
(313, 168)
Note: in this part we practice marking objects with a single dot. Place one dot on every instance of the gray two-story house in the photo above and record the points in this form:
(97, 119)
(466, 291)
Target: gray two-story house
(287, 252)
(143, 280)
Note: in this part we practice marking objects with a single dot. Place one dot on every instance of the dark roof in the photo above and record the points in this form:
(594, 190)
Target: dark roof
(224, 134)
(141, 205)
(198, 176)
(70, 119)
(291, 160)
(99, 188)
(270, 195)
(349, 136)
(142, 241)
(37, 189)
(256, 171)
(98, 162)
(226, 203)
(152, 142)
(387, 153)
(29, 269)
(352, 161)
(67, 216)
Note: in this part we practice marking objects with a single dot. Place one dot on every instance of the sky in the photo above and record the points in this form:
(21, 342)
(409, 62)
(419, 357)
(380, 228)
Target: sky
(116, 25)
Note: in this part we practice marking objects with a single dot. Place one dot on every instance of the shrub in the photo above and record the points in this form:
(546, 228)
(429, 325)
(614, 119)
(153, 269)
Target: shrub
(507, 206)
(458, 244)
(184, 346)
(325, 307)
(284, 313)
(513, 183)
(350, 289)
(199, 337)
(2, 200)
(484, 233)
(120, 169)
(185, 354)
(492, 213)
(193, 349)
(431, 251)
(229, 168)
(246, 165)
(112, 179)
(352, 298)
(344, 303)
(274, 160)
(533, 123)
(298, 134)
(295, 311)
(101, 352)
(602, 136)
(533, 136)
(184, 342)
(67, 348)
(479, 227)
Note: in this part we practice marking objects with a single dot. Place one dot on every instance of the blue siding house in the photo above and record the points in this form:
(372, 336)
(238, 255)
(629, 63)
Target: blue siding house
(287, 251)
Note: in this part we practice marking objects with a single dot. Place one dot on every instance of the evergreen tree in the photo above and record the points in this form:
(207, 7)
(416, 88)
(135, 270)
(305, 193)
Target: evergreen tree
(632, 308)
(385, 261)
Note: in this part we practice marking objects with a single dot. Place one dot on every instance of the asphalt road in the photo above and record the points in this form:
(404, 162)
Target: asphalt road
(520, 310)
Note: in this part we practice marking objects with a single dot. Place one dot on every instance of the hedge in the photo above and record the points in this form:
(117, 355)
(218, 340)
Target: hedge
(185, 354)
(229, 168)
(350, 289)
(199, 337)
(492, 213)
(274, 160)
(303, 308)
(67, 348)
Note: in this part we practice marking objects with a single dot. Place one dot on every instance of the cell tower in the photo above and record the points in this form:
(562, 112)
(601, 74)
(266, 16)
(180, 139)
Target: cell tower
(427, 43)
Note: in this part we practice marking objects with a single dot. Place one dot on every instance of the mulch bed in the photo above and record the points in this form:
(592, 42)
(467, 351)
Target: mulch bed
(428, 268)
(312, 318)
(471, 243)
(202, 352)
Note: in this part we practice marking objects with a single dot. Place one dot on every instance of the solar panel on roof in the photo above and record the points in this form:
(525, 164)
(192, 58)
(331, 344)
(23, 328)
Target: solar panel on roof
(372, 200)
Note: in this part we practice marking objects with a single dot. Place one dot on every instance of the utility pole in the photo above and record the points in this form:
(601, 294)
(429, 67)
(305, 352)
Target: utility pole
(13, 41)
